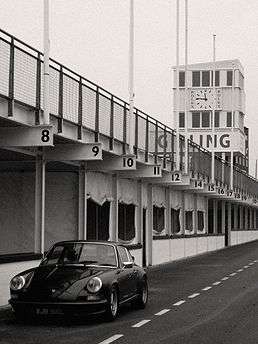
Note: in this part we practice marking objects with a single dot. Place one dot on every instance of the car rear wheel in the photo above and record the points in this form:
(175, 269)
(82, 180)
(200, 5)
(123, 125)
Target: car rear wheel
(142, 299)
(113, 305)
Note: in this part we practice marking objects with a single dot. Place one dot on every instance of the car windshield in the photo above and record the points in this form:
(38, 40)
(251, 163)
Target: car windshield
(81, 253)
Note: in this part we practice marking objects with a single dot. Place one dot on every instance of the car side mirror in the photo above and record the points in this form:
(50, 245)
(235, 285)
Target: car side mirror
(127, 265)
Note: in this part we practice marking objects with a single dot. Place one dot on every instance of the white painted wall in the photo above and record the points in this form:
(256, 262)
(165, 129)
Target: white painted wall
(173, 249)
(240, 237)
(137, 254)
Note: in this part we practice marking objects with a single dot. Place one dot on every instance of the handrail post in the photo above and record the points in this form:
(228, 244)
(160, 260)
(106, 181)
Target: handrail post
(97, 116)
(60, 101)
(111, 124)
(80, 110)
(38, 93)
(11, 80)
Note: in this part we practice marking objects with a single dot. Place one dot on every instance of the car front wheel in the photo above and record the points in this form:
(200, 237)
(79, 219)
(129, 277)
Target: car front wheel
(113, 305)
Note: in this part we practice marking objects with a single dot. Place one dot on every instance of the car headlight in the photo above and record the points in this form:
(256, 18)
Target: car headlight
(17, 283)
(94, 285)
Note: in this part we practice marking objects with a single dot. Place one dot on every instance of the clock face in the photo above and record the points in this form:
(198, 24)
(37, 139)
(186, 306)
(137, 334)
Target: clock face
(202, 99)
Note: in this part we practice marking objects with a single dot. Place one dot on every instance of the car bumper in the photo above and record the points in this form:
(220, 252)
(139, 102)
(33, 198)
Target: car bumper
(44, 308)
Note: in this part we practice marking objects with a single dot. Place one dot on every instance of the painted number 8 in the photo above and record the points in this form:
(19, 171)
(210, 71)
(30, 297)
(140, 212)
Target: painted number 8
(45, 135)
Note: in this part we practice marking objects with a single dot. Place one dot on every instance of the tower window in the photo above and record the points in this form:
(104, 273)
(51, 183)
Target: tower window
(229, 77)
(181, 119)
(181, 79)
(196, 79)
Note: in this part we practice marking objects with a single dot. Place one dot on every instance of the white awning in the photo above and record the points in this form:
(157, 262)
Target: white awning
(127, 191)
(159, 196)
(99, 187)
(189, 202)
(201, 203)
(176, 199)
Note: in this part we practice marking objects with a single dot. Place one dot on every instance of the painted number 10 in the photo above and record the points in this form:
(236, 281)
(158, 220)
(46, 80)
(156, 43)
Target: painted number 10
(128, 162)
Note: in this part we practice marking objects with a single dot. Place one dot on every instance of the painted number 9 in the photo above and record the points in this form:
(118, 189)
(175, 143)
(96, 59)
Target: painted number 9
(95, 150)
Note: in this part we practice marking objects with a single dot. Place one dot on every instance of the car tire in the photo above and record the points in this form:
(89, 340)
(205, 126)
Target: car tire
(113, 305)
(142, 299)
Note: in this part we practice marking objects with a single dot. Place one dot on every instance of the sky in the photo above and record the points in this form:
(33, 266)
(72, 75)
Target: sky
(91, 37)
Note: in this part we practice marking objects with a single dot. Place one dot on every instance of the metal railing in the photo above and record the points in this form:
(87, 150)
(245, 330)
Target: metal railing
(87, 105)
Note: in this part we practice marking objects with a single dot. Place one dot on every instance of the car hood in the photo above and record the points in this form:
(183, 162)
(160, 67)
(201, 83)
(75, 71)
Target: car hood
(65, 280)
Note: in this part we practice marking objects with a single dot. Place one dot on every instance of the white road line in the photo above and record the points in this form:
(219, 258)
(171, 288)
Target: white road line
(224, 278)
(179, 303)
(233, 274)
(206, 288)
(255, 261)
(193, 295)
(141, 323)
(251, 264)
(240, 270)
(111, 339)
(216, 283)
(246, 266)
(163, 312)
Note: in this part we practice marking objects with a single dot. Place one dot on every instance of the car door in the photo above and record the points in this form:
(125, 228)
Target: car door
(126, 275)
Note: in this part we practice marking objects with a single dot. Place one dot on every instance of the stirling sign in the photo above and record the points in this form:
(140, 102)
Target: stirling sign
(223, 142)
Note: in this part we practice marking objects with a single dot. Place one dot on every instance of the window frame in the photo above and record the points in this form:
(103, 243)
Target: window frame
(181, 118)
(162, 209)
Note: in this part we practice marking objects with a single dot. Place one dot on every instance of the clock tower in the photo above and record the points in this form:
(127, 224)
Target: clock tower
(223, 103)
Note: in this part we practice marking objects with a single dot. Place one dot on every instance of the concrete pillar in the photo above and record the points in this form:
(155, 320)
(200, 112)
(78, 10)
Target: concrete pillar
(195, 217)
(82, 204)
(138, 233)
(114, 210)
(206, 215)
(215, 216)
(241, 227)
(182, 214)
(223, 214)
(40, 191)
(236, 224)
(254, 214)
(168, 212)
(250, 214)
(149, 230)
(246, 217)
(229, 223)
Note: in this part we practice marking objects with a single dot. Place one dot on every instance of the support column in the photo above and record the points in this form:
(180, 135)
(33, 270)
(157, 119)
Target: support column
(114, 210)
(241, 227)
(40, 191)
(139, 213)
(215, 216)
(223, 214)
(250, 213)
(182, 214)
(229, 223)
(195, 217)
(254, 214)
(206, 215)
(246, 217)
(236, 224)
(149, 230)
(168, 212)
(82, 204)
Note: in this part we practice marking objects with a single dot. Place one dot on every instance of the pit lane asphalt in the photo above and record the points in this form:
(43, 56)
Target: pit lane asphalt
(188, 311)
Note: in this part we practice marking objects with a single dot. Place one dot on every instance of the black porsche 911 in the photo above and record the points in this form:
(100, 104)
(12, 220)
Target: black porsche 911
(80, 277)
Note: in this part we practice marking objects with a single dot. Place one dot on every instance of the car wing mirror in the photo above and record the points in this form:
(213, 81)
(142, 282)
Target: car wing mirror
(127, 265)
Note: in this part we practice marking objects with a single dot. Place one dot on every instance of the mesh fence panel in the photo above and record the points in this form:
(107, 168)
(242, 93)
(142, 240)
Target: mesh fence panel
(151, 133)
(88, 107)
(25, 74)
(141, 132)
(118, 121)
(53, 90)
(104, 114)
(4, 67)
(70, 99)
